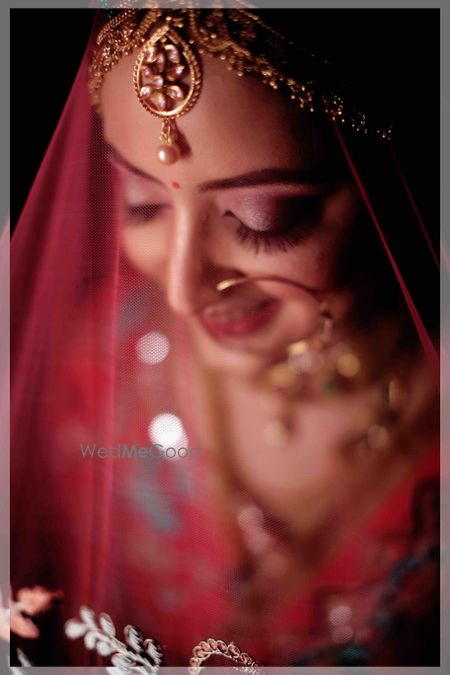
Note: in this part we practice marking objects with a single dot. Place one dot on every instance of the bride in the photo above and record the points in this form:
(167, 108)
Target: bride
(215, 288)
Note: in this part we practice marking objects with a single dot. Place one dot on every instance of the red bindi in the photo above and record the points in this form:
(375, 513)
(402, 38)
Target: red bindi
(175, 184)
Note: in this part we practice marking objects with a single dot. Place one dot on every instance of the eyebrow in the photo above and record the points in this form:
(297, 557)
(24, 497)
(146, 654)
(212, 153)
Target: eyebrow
(115, 155)
(320, 173)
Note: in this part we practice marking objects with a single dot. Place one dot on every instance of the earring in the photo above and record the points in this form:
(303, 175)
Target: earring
(316, 365)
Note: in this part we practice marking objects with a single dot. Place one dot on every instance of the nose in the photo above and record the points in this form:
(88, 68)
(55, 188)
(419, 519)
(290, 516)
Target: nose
(192, 270)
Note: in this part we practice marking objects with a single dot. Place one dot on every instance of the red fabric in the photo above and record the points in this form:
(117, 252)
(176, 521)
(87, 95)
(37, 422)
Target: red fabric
(141, 540)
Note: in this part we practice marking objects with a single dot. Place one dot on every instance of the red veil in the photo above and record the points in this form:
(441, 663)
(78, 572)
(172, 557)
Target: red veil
(99, 361)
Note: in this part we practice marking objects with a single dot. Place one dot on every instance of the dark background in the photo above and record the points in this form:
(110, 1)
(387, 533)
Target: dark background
(390, 57)
(47, 46)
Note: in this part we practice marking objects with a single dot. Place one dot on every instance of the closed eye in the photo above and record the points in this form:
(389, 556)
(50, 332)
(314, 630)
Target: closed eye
(290, 226)
(143, 212)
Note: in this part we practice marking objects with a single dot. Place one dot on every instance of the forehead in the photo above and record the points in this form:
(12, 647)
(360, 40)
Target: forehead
(238, 124)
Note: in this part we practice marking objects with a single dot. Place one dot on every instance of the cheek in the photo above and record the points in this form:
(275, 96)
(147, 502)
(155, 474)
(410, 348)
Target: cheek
(344, 219)
(321, 260)
(145, 248)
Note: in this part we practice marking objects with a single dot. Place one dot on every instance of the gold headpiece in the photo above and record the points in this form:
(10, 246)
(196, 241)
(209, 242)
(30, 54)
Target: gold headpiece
(168, 76)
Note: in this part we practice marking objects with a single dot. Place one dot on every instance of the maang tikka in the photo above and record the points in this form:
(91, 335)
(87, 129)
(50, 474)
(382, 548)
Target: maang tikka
(167, 79)
(168, 76)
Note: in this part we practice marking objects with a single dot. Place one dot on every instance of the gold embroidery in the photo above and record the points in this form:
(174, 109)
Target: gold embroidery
(146, 654)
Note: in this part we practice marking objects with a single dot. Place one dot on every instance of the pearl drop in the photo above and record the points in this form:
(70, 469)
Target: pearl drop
(168, 154)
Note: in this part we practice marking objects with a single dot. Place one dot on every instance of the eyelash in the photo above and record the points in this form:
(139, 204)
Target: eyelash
(142, 212)
(268, 240)
(282, 238)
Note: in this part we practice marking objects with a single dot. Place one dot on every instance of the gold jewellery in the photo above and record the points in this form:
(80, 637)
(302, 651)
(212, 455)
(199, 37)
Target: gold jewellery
(136, 654)
(168, 76)
(315, 364)
(318, 365)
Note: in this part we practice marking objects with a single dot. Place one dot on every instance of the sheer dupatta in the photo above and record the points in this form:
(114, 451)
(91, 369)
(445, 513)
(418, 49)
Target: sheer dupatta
(115, 498)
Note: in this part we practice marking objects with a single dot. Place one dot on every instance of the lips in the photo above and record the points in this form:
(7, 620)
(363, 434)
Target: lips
(238, 320)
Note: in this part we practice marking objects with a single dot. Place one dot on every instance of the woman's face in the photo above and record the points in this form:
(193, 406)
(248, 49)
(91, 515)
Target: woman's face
(258, 193)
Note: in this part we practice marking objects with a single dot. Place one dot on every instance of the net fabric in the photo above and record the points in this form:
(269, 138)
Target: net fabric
(88, 392)
(102, 365)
